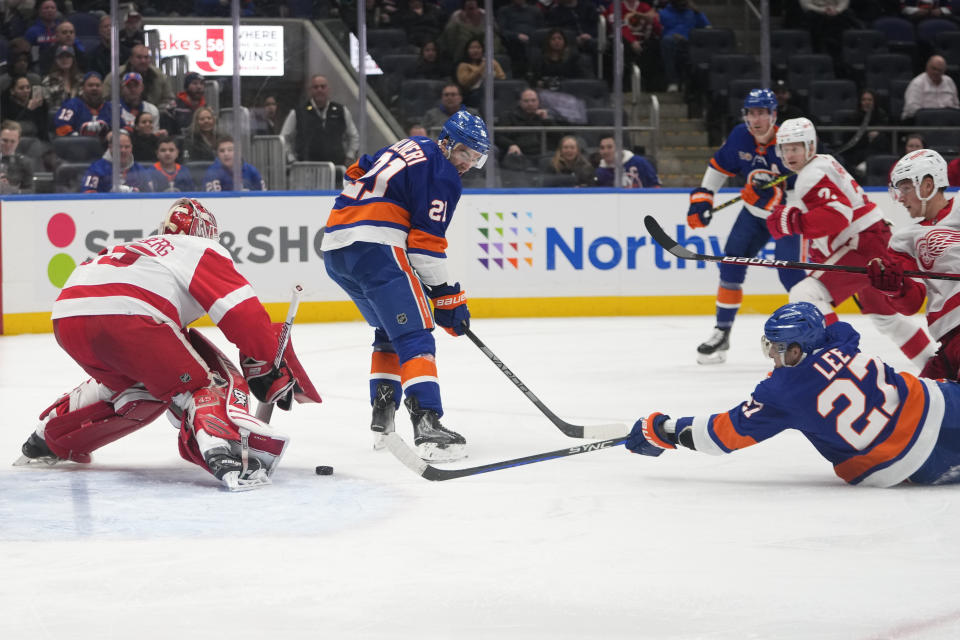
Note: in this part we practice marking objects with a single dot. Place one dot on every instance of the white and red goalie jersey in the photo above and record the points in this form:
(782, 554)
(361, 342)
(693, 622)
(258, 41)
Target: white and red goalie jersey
(834, 208)
(175, 279)
(931, 245)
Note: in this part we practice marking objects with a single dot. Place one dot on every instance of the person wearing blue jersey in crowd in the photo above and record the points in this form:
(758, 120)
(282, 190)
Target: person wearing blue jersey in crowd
(638, 173)
(219, 176)
(385, 245)
(750, 152)
(133, 176)
(81, 116)
(170, 174)
(877, 427)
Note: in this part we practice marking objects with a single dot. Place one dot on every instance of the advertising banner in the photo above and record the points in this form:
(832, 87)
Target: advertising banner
(210, 48)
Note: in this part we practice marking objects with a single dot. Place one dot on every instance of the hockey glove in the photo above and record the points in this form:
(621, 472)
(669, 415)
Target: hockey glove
(784, 221)
(762, 196)
(648, 436)
(450, 308)
(701, 204)
(267, 383)
(885, 276)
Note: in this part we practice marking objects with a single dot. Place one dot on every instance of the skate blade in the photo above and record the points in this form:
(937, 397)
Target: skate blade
(431, 452)
(24, 461)
(379, 442)
(717, 357)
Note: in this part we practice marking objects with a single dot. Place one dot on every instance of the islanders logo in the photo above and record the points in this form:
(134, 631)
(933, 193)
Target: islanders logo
(505, 239)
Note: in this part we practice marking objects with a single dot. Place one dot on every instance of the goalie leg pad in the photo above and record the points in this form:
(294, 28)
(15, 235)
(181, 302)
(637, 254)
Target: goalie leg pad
(74, 435)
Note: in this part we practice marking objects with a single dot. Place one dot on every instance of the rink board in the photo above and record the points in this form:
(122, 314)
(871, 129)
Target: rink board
(558, 252)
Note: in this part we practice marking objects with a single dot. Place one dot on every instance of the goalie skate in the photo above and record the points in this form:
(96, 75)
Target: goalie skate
(714, 349)
(434, 442)
(384, 410)
(36, 451)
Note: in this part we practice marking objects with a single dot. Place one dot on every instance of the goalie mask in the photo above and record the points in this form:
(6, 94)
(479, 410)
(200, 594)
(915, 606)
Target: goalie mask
(188, 217)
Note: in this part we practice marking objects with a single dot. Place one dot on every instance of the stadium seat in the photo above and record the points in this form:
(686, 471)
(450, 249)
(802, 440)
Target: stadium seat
(78, 148)
(948, 45)
(737, 90)
(899, 33)
(883, 68)
(929, 29)
(597, 116)
(898, 87)
(858, 45)
(381, 42)
(804, 68)
(785, 43)
(555, 180)
(593, 92)
(506, 95)
(827, 96)
(68, 176)
(938, 136)
(707, 43)
(878, 170)
(85, 24)
(726, 68)
(417, 95)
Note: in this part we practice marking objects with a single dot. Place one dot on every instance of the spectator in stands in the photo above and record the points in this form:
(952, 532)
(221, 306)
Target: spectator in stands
(20, 61)
(82, 115)
(786, 110)
(156, 86)
(200, 141)
(417, 129)
(914, 142)
(131, 102)
(472, 70)
(64, 80)
(100, 56)
(320, 129)
(569, 160)
(451, 101)
(578, 16)
(15, 16)
(16, 170)
(527, 113)
(517, 21)
(464, 25)
(219, 176)
(133, 176)
(638, 173)
(189, 100)
(918, 10)
(144, 139)
(169, 172)
(132, 34)
(24, 103)
(556, 62)
(64, 36)
(826, 20)
(423, 22)
(429, 66)
(678, 18)
(42, 33)
(641, 32)
(932, 89)
(869, 142)
(265, 121)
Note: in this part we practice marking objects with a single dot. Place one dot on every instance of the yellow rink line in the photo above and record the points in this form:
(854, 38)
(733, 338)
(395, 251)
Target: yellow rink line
(17, 323)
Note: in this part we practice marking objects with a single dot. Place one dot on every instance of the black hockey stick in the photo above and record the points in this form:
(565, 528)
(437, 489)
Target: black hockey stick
(767, 185)
(265, 409)
(412, 461)
(591, 432)
(661, 238)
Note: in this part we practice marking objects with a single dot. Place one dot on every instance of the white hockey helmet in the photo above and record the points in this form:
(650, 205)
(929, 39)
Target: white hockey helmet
(798, 130)
(915, 166)
(187, 216)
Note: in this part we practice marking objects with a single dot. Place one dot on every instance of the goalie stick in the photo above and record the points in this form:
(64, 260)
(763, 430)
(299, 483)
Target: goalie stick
(265, 409)
(412, 461)
(572, 430)
(661, 238)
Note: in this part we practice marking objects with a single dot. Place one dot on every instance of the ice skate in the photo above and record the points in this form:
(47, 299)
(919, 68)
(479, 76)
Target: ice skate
(434, 442)
(714, 349)
(36, 451)
(384, 409)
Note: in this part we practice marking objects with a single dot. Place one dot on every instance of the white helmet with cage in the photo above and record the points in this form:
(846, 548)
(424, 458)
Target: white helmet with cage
(798, 130)
(915, 166)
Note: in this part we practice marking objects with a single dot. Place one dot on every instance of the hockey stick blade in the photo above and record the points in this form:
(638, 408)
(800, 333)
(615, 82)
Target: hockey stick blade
(590, 432)
(672, 246)
(412, 461)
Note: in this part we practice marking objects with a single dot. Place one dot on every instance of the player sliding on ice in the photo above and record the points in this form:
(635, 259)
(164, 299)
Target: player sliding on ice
(844, 227)
(748, 152)
(385, 246)
(121, 316)
(876, 426)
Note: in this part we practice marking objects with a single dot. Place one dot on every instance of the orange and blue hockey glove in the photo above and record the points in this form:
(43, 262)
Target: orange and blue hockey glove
(649, 437)
(701, 208)
(450, 308)
(762, 196)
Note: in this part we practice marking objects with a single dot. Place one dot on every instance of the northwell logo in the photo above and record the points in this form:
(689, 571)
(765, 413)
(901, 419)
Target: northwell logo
(507, 239)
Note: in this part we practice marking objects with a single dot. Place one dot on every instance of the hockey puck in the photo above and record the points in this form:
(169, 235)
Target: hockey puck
(324, 470)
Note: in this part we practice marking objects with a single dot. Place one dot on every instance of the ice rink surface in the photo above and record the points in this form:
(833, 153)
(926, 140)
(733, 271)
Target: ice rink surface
(764, 543)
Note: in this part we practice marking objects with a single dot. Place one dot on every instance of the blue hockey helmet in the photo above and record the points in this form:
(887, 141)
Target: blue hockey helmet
(469, 130)
(760, 99)
(798, 323)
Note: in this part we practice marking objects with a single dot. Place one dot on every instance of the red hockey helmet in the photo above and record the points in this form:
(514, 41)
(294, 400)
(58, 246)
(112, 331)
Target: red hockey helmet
(189, 217)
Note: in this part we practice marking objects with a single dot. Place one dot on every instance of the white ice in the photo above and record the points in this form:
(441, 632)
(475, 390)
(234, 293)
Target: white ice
(764, 543)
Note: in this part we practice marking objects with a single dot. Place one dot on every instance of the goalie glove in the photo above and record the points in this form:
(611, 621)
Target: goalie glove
(649, 437)
(450, 308)
(269, 384)
(701, 208)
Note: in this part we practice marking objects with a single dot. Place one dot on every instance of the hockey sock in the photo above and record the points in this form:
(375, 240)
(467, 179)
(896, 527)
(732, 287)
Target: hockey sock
(385, 367)
(418, 376)
(729, 297)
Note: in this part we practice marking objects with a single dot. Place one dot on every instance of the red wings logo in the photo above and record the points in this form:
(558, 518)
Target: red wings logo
(932, 245)
(216, 44)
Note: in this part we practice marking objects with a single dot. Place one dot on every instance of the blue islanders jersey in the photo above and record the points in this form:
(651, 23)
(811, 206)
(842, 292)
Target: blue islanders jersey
(404, 196)
(741, 155)
(99, 177)
(876, 426)
(75, 116)
(219, 178)
(179, 180)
